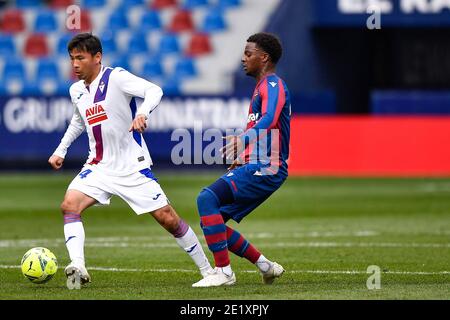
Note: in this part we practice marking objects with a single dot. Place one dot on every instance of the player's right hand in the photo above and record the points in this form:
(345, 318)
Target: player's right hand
(56, 162)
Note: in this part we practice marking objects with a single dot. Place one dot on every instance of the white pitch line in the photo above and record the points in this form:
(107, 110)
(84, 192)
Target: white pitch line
(258, 235)
(351, 272)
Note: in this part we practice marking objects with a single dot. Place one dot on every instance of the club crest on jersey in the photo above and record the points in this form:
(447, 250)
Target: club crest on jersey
(252, 117)
(95, 114)
(102, 86)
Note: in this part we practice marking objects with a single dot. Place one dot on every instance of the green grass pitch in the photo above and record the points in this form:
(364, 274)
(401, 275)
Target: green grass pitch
(326, 232)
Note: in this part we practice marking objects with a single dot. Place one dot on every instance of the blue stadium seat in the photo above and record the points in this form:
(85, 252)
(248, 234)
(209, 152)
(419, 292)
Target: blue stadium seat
(23, 4)
(47, 69)
(192, 4)
(109, 44)
(130, 3)
(152, 69)
(120, 61)
(184, 68)
(171, 86)
(3, 91)
(93, 3)
(30, 88)
(138, 43)
(118, 20)
(229, 3)
(63, 41)
(63, 88)
(45, 22)
(214, 21)
(13, 76)
(169, 44)
(13, 68)
(47, 87)
(150, 20)
(7, 45)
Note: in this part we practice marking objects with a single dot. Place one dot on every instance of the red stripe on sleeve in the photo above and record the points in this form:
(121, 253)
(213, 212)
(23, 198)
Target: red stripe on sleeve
(280, 104)
(264, 92)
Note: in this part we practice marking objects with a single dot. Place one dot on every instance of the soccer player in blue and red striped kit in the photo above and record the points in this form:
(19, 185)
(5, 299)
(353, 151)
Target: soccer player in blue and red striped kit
(253, 175)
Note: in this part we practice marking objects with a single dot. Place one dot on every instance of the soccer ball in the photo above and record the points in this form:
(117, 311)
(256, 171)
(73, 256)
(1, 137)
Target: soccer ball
(39, 265)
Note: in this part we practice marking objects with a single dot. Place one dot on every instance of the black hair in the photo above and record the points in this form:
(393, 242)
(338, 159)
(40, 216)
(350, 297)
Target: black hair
(85, 42)
(270, 43)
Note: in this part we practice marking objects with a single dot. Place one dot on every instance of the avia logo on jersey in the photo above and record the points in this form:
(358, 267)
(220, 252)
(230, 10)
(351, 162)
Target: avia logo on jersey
(95, 114)
(273, 84)
(252, 117)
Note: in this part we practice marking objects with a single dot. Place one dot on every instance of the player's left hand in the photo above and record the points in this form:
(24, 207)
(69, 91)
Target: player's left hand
(139, 123)
(233, 147)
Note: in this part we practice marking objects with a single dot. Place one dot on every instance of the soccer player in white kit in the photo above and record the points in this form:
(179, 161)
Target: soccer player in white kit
(119, 161)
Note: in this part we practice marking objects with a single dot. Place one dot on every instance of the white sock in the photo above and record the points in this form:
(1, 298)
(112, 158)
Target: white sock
(189, 243)
(263, 264)
(227, 270)
(74, 234)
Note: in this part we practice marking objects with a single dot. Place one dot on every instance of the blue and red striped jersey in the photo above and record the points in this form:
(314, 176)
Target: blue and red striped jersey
(268, 126)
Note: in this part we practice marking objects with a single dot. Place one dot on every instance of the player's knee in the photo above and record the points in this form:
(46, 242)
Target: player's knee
(206, 201)
(69, 206)
(167, 218)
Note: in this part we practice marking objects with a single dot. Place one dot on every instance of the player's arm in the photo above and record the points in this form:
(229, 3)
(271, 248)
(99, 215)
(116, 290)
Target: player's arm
(139, 87)
(75, 128)
(273, 100)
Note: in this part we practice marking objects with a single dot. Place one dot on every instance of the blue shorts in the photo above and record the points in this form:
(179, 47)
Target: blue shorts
(250, 189)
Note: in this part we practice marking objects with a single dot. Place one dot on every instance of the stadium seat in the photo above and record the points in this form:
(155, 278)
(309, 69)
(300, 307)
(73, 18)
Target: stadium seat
(118, 20)
(181, 21)
(150, 20)
(184, 68)
(131, 3)
(13, 69)
(171, 86)
(85, 21)
(162, 4)
(168, 44)
(93, 3)
(47, 68)
(7, 46)
(214, 21)
(228, 3)
(45, 22)
(63, 88)
(192, 4)
(198, 45)
(120, 61)
(63, 41)
(47, 86)
(109, 44)
(13, 21)
(3, 91)
(36, 45)
(24, 4)
(138, 43)
(152, 69)
(60, 4)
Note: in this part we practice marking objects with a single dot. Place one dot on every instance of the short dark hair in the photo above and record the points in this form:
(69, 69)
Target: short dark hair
(270, 43)
(85, 42)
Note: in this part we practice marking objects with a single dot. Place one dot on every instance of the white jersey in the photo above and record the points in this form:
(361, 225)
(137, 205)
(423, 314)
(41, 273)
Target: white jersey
(106, 109)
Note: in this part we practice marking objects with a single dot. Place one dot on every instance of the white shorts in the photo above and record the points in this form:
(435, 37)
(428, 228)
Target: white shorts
(142, 193)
